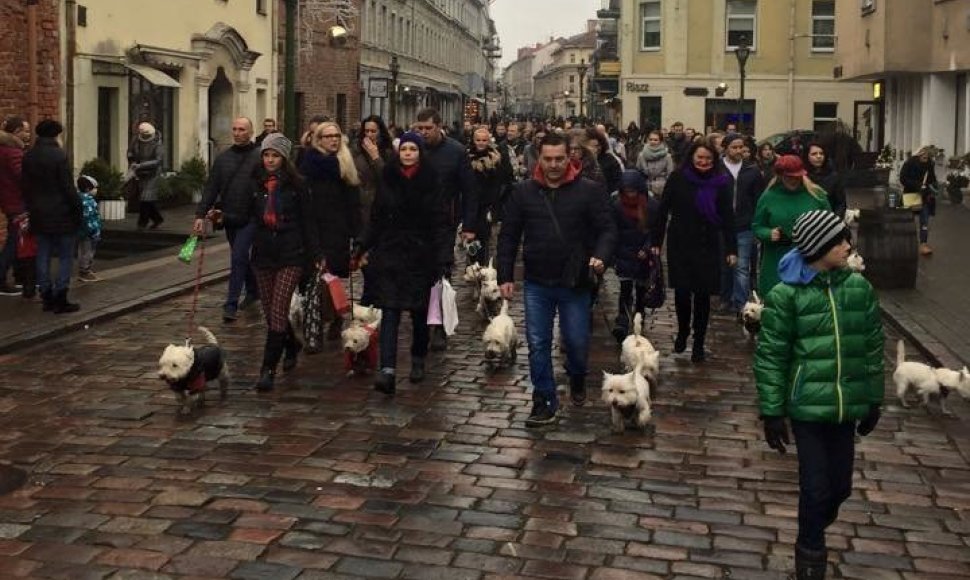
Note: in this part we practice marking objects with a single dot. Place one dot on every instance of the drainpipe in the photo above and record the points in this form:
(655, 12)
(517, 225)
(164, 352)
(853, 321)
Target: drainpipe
(71, 17)
(289, 79)
(32, 104)
(791, 66)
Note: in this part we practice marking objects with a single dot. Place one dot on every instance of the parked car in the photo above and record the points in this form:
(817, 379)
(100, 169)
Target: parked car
(790, 142)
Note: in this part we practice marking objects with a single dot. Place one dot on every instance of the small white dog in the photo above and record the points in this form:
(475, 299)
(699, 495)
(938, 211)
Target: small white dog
(751, 315)
(489, 272)
(637, 352)
(366, 314)
(855, 262)
(852, 216)
(187, 370)
(628, 397)
(473, 276)
(927, 381)
(500, 338)
(360, 346)
(489, 299)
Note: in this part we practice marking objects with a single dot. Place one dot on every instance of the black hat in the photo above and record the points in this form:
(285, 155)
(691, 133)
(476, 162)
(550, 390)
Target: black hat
(816, 232)
(49, 128)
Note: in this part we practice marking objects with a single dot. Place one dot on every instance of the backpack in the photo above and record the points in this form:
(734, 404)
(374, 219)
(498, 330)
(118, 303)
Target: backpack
(656, 289)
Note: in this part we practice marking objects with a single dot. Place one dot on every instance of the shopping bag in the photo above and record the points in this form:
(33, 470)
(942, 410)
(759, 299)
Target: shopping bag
(338, 296)
(449, 307)
(188, 248)
(26, 240)
(434, 306)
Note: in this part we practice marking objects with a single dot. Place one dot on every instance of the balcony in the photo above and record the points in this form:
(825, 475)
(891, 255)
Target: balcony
(609, 11)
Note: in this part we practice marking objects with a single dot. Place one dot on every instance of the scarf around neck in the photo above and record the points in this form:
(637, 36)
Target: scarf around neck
(653, 153)
(705, 200)
(410, 171)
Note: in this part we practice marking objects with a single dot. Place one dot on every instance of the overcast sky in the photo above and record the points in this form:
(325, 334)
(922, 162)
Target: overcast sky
(526, 22)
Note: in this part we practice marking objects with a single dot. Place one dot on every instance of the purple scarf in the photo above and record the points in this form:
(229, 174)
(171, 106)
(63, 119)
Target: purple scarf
(705, 200)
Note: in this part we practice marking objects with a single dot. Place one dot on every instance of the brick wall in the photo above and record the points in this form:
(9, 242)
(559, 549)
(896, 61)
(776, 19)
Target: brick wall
(13, 59)
(328, 72)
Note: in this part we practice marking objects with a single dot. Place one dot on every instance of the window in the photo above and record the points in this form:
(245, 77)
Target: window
(261, 7)
(571, 79)
(823, 25)
(741, 22)
(650, 25)
(825, 115)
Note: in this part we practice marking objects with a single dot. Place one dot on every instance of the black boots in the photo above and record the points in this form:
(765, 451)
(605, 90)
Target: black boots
(48, 297)
(417, 370)
(577, 390)
(385, 383)
(697, 353)
(271, 357)
(57, 303)
(809, 564)
(291, 348)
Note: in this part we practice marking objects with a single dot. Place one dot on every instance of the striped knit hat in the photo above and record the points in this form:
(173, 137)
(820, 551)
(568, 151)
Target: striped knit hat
(816, 232)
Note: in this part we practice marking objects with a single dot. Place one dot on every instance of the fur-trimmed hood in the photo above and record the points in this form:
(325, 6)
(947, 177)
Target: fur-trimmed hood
(487, 160)
(10, 140)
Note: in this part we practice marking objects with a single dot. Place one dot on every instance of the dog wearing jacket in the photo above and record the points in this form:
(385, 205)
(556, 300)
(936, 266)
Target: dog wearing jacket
(187, 369)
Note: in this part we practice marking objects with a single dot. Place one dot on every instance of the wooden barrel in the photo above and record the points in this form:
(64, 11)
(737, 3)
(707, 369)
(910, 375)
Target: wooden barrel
(889, 244)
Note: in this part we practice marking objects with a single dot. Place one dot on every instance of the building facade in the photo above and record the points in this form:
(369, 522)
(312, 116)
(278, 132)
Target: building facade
(189, 76)
(679, 63)
(920, 88)
(561, 86)
(32, 96)
(442, 52)
(521, 74)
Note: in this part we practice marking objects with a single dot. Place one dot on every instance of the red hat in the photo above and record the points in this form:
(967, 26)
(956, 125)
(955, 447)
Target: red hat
(790, 166)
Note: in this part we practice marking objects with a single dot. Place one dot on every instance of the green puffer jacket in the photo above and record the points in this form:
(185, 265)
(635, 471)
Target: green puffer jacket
(820, 349)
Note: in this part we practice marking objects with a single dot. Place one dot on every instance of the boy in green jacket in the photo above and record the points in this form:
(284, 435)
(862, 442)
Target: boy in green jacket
(819, 362)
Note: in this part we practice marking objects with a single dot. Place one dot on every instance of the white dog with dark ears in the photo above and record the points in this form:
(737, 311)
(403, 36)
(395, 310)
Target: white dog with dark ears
(637, 351)
(628, 397)
(500, 338)
(751, 315)
(927, 381)
(187, 370)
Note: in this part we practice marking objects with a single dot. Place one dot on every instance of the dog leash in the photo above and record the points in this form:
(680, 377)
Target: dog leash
(350, 280)
(195, 291)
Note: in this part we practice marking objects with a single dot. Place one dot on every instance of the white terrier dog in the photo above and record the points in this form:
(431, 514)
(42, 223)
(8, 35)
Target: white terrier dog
(751, 315)
(855, 262)
(489, 272)
(927, 381)
(852, 216)
(489, 299)
(500, 338)
(366, 314)
(188, 369)
(628, 397)
(636, 351)
(360, 346)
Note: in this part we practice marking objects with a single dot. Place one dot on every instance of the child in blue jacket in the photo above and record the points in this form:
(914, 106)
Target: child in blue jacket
(90, 233)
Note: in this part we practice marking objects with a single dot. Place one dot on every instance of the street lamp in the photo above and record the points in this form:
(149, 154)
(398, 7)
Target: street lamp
(583, 67)
(565, 101)
(395, 68)
(742, 52)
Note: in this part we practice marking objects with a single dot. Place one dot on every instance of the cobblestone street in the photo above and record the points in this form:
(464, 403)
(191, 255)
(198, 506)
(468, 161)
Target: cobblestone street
(327, 479)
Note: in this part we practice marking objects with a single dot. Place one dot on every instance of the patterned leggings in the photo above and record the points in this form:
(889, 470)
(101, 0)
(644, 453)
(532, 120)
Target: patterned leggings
(276, 286)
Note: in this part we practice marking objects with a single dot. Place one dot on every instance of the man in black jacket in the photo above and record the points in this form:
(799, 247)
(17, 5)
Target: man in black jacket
(747, 184)
(569, 235)
(230, 185)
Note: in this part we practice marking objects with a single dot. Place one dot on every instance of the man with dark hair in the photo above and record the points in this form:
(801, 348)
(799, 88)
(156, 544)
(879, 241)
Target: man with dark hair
(230, 186)
(14, 136)
(458, 187)
(269, 127)
(747, 183)
(677, 142)
(559, 270)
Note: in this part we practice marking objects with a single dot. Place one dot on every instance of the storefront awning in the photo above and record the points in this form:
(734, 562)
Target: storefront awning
(154, 76)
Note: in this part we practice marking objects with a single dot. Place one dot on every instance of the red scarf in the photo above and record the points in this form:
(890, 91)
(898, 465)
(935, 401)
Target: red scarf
(410, 171)
(270, 215)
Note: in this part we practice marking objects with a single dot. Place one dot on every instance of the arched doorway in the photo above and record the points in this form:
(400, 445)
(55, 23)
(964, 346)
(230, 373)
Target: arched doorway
(220, 112)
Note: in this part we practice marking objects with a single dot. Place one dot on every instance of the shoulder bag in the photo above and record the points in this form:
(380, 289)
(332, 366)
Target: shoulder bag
(914, 200)
(576, 272)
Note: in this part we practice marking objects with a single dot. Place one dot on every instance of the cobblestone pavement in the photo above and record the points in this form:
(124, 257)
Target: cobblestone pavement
(327, 479)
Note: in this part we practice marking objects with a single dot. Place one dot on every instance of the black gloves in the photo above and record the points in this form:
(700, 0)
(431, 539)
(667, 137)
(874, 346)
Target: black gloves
(869, 423)
(776, 433)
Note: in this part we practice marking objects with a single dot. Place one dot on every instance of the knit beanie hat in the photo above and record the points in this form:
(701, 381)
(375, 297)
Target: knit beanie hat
(412, 137)
(86, 183)
(633, 179)
(816, 232)
(277, 142)
(146, 131)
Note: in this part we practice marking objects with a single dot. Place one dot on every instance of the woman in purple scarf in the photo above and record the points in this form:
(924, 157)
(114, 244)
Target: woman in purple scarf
(696, 205)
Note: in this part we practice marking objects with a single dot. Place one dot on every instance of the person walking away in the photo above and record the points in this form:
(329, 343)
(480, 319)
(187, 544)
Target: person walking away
(819, 363)
(554, 204)
(493, 174)
(334, 186)
(14, 135)
(746, 184)
(635, 214)
(822, 171)
(790, 194)
(229, 187)
(695, 218)
(145, 156)
(90, 233)
(55, 214)
(458, 188)
(656, 163)
(408, 246)
(918, 175)
(284, 241)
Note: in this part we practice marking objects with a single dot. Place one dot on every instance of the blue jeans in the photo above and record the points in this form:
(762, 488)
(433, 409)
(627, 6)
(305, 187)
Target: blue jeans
(8, 255)
(541, 303)
(50, 246)
(390, 321)
(240, 271)
(924, 224)
(825, 455)
(742, 271)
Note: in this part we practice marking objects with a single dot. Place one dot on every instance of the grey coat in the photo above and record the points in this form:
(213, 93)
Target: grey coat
(148, 155)
(656, 171)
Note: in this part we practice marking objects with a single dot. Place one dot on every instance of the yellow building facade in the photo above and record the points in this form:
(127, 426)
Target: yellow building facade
(187, 66)
(560, 87)
(679, 63)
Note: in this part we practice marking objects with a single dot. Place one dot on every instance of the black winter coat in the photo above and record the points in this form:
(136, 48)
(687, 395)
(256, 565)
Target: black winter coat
(745, 191)
(409, 239)
(294, 241)
(335, 209)
(612, 171)
(493, 173)
(630, 241)
(584, 219)
(694, 245)
(456, 182)
(230, 184)
(49, 191)
(831, 181)
(912, 172)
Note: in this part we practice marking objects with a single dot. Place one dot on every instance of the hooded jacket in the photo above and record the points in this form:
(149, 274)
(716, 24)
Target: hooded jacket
(820, 349)
(11, 163)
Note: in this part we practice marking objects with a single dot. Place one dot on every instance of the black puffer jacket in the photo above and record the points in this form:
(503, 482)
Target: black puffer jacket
(294, 240)
(408, 239)
(49, 192)
(746, 190)
(457, 184)
(584, 219)
(831, 181)
(336, 209)
(230, 184)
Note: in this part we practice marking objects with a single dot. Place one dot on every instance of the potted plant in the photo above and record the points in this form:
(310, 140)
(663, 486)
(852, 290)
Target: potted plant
(884, 165)
(193, 175)
(111, 201)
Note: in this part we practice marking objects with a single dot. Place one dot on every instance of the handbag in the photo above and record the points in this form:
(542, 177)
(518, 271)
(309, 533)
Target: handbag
(914, 200)
(449, 307)
(576, 272)
(338, 296)
(656, 290)
(26, 240)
